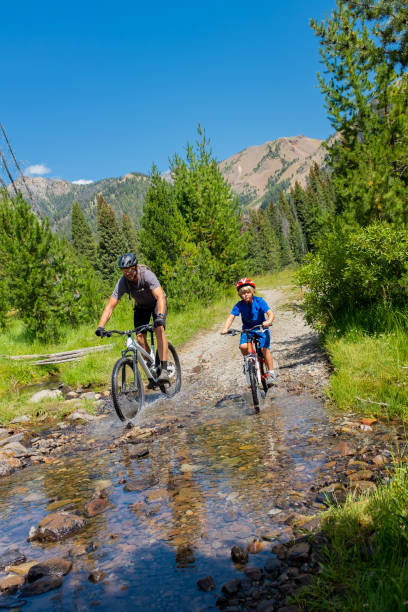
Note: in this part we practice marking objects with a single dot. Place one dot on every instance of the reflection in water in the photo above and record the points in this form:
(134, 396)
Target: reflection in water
(217, 478)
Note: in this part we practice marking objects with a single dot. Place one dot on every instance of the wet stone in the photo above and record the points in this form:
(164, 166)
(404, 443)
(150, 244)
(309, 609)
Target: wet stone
(11, 583)
(96, 576)
(96, 506)
(43, 585)
(206, 584)
(12, 556)
(50, 567)
(266, 606)
(344, 449)
(239, 555)
(10, 603)
(57, 526)
(139, 453)
(254, 573)
(273, 567)
(138, 484)
(231, 587)
(299, 552)
(22, 569)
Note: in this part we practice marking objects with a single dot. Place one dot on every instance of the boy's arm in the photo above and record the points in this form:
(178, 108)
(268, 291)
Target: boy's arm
(228, 323)
(269, 318)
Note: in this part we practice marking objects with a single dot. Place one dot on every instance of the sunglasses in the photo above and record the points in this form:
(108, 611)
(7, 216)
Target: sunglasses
(131, 269)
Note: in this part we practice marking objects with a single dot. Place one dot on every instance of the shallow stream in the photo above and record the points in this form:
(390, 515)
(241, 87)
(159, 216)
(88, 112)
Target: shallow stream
(220, 476)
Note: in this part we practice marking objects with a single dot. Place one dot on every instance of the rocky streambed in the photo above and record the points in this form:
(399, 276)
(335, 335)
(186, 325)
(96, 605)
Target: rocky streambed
(199, 504)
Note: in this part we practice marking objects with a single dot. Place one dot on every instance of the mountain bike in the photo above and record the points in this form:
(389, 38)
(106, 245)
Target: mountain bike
(127, 386)
(254, 364)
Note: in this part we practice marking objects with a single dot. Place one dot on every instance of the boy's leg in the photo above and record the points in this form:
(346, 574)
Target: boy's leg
(244, 349)
(268, 358)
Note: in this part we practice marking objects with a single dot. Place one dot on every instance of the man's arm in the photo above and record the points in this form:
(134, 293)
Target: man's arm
(161, 299)
(109, 308)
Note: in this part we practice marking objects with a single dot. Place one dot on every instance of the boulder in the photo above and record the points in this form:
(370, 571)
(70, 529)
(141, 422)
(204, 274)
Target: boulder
(50, 567)
(57, 526)
(45, 394)
(81, 415)
(16, 449)
(11, 583)
(43, 585)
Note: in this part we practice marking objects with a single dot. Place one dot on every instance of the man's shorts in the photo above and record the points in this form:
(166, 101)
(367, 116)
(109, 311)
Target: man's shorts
(141, 316)
(264, 339)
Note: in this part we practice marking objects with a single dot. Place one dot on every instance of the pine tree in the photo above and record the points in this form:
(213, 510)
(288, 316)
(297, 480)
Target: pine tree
(50, 289)
(209, 207)
(263, 244)
(111, 243)
(131, 242)
(83, 240)
(164, 232)
(368, 107)
(280, 225)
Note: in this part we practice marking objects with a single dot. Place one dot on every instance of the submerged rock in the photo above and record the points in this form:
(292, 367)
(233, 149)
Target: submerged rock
(12, 556)
(206, 584)
(96, 506)
(43, 585)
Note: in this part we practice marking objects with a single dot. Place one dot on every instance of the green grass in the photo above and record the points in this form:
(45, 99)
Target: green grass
(370, 371)
(366, 560)
(17, 377)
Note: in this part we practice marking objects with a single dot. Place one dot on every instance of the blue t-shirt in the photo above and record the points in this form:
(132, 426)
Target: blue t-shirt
(252, 314)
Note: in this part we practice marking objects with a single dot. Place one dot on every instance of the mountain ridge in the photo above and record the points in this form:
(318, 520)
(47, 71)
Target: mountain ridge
(256, 174)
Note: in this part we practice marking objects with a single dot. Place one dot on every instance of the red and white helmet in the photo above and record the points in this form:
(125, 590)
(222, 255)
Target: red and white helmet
(243, 282)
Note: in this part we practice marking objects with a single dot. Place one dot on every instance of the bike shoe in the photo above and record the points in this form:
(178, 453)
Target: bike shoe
(271, 379)
(164, 377)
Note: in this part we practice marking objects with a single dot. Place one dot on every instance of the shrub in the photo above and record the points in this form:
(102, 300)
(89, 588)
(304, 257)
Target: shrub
(356, 270)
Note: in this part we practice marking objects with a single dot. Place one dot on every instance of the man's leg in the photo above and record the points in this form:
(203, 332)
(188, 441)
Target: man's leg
(162, 346)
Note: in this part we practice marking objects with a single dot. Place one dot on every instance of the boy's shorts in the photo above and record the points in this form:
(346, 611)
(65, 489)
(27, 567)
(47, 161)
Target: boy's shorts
(264, 339)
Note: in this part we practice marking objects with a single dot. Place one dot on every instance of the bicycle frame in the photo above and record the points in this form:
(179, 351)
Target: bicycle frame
(132, 346)
(255, 356)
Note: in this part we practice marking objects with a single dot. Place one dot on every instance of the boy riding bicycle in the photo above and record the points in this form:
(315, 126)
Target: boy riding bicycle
(253, 310)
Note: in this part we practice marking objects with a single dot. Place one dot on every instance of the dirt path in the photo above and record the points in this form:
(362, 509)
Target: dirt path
(214, 361)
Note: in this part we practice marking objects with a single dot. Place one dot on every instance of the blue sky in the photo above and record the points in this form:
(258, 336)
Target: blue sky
(97, 89)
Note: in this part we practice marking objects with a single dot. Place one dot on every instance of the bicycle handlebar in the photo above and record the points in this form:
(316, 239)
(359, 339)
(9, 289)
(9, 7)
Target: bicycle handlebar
(138, 330)
(259, 328)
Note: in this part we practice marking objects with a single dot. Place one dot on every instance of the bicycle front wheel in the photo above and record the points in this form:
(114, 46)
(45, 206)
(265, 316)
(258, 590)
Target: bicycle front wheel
(174, 370)
(127, 389)
(256, 395)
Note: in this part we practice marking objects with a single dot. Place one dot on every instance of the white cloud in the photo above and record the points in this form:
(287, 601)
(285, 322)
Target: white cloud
(82, 182)
(37, 169)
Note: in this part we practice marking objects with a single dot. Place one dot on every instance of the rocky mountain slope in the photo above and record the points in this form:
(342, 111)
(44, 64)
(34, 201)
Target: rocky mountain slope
(258, 173)
(54, 197)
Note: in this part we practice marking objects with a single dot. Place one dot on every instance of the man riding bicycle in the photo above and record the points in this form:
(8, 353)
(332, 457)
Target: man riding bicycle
(253, 310)
(142, 285)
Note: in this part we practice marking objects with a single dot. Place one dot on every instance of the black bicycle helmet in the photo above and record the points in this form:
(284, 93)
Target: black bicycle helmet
(127, 260)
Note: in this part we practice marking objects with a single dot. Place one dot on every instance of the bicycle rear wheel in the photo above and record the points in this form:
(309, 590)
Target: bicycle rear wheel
(256, 395)
(127, 389)
(174, 370)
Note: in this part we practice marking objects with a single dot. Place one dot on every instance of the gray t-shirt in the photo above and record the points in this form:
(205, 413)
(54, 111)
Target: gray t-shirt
(141, 290)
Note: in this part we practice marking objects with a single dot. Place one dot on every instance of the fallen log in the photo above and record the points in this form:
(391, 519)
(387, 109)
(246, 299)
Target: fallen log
(63, 356)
